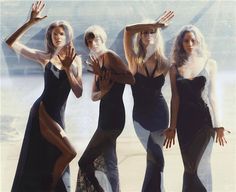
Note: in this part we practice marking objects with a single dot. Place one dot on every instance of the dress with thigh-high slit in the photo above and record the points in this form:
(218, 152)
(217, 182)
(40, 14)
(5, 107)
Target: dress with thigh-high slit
(98, 164)
(150, 118)
(195, 132)
(38, 156)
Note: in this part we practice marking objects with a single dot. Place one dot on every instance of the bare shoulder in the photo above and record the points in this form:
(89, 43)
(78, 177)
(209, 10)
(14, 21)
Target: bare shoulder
(172, 69)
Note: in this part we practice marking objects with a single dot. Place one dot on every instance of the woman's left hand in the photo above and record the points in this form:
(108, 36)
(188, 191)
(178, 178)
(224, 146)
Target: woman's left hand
(169, 137)
(220, 136)
(69, 57)
(165, 18)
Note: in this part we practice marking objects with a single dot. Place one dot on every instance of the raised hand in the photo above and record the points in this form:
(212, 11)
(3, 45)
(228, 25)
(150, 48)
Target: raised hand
(165, 18)
(69, 57)
(95, 66)
(36, 10)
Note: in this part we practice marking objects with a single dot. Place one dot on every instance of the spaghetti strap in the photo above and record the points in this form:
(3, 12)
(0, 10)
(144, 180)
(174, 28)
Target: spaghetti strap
(153, 72)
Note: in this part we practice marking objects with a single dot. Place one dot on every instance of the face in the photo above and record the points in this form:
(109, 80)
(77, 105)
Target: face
(96, 44)
(58, 37)
(148, 37)
(189, 42)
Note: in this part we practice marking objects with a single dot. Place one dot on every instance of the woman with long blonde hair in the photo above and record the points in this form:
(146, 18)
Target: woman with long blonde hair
(147, 62)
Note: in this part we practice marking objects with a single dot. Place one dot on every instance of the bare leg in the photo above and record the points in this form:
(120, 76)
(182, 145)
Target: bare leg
(54, 134)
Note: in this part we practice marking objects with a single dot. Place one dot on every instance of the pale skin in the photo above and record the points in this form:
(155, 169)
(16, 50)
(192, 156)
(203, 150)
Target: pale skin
(190, 71)
(116, 71)
(63, 60)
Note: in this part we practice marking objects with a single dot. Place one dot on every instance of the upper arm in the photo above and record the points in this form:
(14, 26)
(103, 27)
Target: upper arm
(115, 63)
(173, 80)
(129, 52)
(78, 63)
(30, 53)
(212, 68)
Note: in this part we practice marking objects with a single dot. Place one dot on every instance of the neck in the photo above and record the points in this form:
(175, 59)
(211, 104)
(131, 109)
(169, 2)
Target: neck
(150, 51)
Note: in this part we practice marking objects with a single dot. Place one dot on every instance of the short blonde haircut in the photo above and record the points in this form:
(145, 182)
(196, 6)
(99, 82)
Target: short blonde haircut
(94, 31)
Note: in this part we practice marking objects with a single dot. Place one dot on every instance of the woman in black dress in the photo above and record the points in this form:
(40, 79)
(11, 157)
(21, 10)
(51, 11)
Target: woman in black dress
(149, 66)
(99, 161)
(192, 78)
(46, 150)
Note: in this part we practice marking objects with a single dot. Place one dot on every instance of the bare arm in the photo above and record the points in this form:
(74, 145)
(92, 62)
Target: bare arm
(212, 66)
(119, 71)
(74, 77)
(98, 94)
(170, 132)
(174, 98)
(15, 44)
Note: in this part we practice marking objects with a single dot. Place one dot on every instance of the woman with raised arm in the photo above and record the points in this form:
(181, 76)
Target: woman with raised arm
(99, 161)
(193, 85)
(46, 151)
(149, 66)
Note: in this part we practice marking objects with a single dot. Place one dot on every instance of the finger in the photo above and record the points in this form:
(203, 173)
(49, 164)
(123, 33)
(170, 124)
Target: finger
(59, 58)
(33, 6)
(37, 4)
(43, 17)
(164, 142)
(74, 57)
(42, 6)
(72, 51)
(167, 16)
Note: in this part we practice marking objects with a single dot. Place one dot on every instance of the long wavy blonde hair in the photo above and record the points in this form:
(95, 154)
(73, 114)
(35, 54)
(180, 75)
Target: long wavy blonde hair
(141, 51)
(178, 55)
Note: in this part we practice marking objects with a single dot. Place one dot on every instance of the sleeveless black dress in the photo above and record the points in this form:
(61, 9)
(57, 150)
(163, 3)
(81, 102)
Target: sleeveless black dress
(38, 156)
(100, 154)
(151, 117)
(194, 129)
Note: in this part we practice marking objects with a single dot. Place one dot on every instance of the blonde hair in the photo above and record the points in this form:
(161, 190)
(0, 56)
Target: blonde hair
(179, 56)
(68, 31)
(159, 53)
(94, 31)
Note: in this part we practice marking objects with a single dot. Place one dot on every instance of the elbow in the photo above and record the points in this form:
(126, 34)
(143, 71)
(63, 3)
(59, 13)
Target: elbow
(78, 93)
(130, 79)
(9, 43)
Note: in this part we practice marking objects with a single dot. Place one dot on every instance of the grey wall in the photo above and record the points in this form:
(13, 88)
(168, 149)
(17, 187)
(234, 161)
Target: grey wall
(216, 19)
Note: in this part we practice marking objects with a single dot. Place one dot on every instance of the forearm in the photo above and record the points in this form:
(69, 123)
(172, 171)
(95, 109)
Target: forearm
(17, 35)
(142, 27)
(124, 78)
(216, 120)
(174, 112)
(98, 95)
(75, 83)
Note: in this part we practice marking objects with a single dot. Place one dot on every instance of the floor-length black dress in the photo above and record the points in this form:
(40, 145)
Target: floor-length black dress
(98, 164)
(150, 117)
(195, 132)
(38, 156)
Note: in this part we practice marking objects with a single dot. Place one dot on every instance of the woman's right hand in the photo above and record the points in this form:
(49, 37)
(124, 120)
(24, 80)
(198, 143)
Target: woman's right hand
(35, 15)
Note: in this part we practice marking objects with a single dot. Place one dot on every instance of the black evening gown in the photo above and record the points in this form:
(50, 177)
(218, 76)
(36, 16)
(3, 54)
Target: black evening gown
(38, 156)
(98, 164)
(150, 118)
(195, 132)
